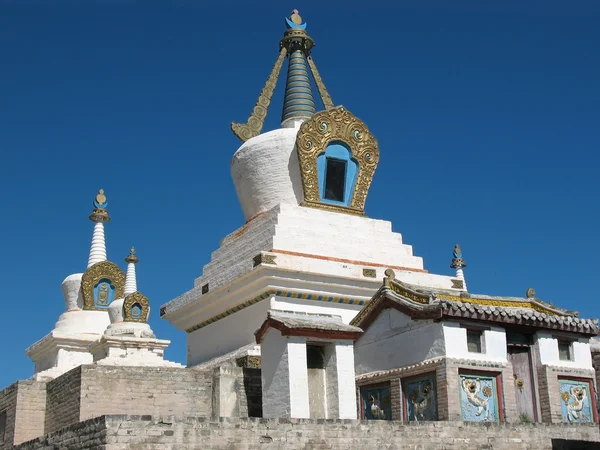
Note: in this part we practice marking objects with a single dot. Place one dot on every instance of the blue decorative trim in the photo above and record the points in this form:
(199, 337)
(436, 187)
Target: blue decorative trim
(340, 151)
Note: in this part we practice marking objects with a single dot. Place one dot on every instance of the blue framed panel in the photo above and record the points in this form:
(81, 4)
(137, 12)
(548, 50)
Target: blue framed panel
(576, 401)
(420, 398)
(376, 402)
(479, 397)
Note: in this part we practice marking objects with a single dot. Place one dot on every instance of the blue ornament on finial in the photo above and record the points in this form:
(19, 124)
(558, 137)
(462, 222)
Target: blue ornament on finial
(295, 21)
(100, 200)
(457, 253)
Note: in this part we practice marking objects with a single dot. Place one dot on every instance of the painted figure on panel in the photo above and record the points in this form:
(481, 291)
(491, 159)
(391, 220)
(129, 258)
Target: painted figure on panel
(576, 403)
(136, 311)
(420, 399)
(472, 388)
(377, 403)
(103, 293)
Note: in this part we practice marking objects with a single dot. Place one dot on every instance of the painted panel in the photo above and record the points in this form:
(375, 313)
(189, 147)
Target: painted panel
(377, 402)
(479, 398)
(104, 292)
(420, 398)
(576, 404)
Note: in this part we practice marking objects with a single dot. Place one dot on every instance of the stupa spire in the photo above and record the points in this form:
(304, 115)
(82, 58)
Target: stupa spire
(299, 102)
(459, 263)
(130, 280)
(99, 216)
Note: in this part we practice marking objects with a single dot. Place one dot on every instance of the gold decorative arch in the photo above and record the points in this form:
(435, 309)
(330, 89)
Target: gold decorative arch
(340, 125)
(132, 299)
(94, 274)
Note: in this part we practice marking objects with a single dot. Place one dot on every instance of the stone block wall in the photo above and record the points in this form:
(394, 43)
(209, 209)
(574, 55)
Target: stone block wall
(31, 410)
(144, 390)
(170, 433)
(8, 408)
(22, 412)
(548, 387)
(394, 378)
(507, 390)
(447, 373)
(63, 400)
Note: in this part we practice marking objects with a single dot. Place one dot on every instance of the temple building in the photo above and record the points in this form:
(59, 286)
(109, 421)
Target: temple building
(309, 310)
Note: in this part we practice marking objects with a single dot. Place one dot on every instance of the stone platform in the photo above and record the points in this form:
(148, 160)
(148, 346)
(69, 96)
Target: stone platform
(116, 432)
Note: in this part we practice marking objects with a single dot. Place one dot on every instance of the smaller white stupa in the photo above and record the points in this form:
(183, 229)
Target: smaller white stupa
(129, 340)
(87, 298)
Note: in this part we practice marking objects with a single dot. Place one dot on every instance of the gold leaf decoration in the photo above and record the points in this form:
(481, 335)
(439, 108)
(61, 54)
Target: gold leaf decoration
(93, 275)
(130, 301)
(336, 125)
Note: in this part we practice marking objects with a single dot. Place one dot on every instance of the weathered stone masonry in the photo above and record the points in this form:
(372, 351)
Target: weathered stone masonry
(145, 432)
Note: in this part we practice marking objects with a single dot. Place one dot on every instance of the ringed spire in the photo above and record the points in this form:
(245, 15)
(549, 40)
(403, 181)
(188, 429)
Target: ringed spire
(299, 104)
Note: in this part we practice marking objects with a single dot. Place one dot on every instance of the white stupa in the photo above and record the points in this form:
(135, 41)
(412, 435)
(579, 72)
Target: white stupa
(307, 245)
(87, 298)
(128, 340)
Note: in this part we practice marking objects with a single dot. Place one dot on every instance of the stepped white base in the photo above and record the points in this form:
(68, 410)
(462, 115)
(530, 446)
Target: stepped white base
(131, 351)
(58, 352)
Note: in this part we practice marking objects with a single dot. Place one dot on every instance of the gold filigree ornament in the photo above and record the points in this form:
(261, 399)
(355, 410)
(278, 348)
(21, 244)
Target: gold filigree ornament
(330, 126)
(91, 277)
(141, 304)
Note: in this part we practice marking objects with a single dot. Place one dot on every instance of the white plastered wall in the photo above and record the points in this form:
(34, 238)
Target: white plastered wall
(226, 335)
(493, 345)
(547, 345)
(394, 340)
(284, 376)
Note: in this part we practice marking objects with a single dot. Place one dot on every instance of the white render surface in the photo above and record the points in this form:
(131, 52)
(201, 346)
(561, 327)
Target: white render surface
(394, 340)
(130, 280)
(312, 241)
(71, 288)
(548, 350)
(493, 346)
(344, 385)
(57, 353)
(98, 249)
(265, 171)
(133, 329)
(82, 322)
(275, 376)
(130, 351)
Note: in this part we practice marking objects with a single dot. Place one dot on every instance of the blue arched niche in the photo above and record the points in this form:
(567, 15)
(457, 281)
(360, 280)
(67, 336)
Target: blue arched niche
(337, 174)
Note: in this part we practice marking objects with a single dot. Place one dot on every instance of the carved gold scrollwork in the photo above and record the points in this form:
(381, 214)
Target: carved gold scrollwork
(94, 274)
(325, 127)
(325, 97)
(137, 298)
(256, 120)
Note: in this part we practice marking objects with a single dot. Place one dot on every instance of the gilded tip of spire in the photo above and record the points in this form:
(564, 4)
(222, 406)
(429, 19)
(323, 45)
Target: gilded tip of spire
(100, 200)
(131, 258)
(295, 20)
(100, 214)
(457, 261)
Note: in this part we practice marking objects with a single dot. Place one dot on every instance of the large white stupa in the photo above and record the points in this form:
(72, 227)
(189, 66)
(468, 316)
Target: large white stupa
(307, 245)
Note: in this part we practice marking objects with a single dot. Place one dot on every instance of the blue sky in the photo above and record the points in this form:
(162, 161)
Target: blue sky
(486, 113)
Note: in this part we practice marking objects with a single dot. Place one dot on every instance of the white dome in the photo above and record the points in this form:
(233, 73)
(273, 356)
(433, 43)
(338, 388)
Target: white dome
(265, 172)
(115, 311)
(71, 289)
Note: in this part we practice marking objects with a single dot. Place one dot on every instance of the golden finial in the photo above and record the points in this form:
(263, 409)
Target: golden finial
(100, 214)
(101, 198)
(530, 293)
(295, 17)
(131, 258)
